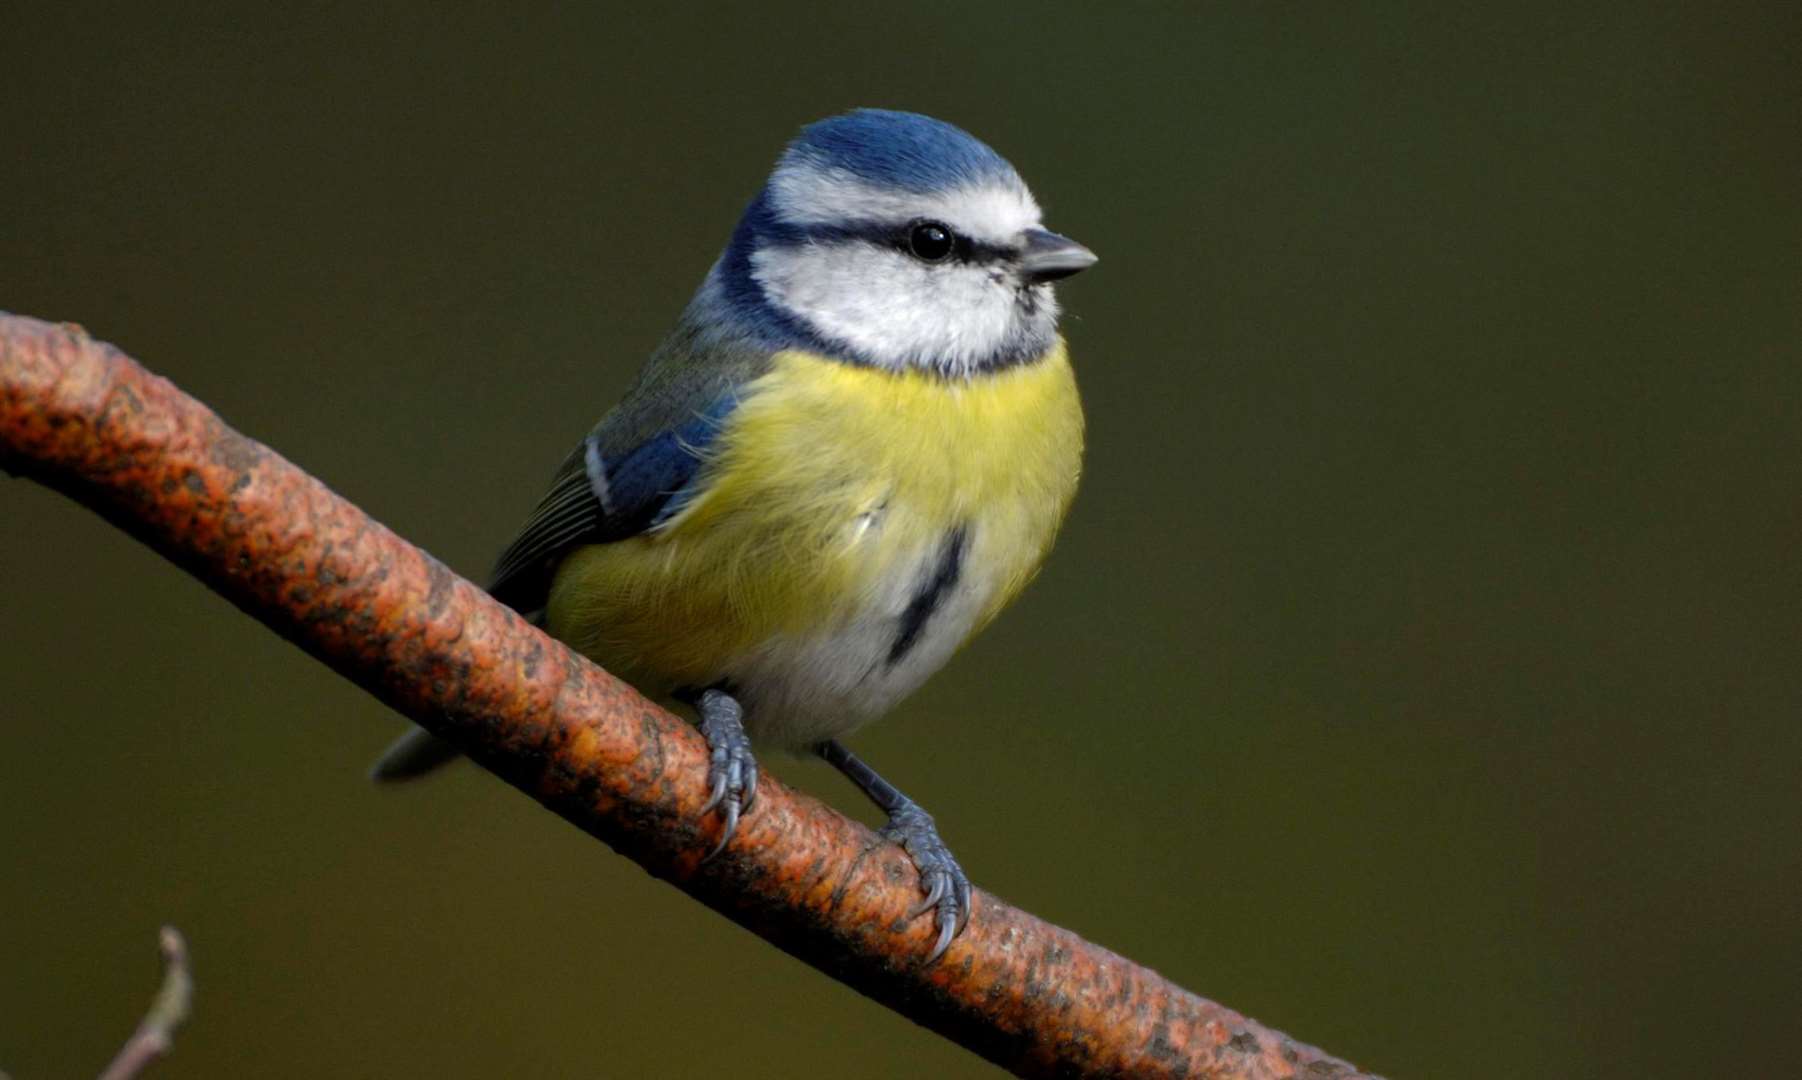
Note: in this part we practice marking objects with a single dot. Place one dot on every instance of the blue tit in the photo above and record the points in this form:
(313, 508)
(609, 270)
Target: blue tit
(853, 450)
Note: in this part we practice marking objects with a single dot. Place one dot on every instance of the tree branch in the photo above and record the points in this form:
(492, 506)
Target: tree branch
(156, 1032)
(83, 418)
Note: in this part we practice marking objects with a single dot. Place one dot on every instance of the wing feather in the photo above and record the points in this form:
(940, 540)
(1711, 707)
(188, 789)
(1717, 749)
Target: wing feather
(644, 453)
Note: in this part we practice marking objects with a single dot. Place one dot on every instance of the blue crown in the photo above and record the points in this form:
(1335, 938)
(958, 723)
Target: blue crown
(900, 149)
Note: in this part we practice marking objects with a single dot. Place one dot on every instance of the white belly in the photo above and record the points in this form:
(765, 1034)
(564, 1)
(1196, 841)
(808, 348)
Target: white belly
(801, 689)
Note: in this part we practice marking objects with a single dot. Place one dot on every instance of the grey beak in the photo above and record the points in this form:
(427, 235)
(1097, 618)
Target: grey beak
(1049, 256)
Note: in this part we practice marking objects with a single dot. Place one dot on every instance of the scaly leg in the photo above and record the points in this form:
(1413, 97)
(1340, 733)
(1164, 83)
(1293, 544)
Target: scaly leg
(731, 768)
(943, 881)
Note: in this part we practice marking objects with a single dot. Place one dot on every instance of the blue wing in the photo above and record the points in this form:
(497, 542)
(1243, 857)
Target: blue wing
(651, 483)
(599, 497)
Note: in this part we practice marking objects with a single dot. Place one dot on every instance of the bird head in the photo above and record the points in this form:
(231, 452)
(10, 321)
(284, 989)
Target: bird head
(899, 241)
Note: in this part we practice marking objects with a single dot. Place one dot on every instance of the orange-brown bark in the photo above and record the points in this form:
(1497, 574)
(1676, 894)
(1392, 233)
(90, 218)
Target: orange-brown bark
(82, 417)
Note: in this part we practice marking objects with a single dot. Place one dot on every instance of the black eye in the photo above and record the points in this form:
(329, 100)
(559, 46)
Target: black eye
(931, 242)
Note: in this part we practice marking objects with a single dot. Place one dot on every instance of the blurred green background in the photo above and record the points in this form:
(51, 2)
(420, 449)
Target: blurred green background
(1418, 672)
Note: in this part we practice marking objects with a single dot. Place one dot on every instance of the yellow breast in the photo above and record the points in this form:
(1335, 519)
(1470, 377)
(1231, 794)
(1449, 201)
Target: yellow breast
(827, 486)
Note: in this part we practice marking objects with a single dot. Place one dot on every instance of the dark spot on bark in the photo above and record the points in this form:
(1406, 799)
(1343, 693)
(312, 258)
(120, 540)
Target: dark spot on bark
(653, 738)
(844, 884)
(1160, 1046)
(1245, 1042)
(122, 399)
(234, 451)
(442, 583)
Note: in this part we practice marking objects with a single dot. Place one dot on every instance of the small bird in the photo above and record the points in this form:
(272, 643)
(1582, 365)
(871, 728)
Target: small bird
(853, 450)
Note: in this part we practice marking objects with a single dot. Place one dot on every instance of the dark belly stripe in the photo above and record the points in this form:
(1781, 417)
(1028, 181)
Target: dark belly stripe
(932, 593)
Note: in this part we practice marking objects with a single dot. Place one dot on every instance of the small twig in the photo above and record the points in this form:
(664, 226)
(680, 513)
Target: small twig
(156, 1032)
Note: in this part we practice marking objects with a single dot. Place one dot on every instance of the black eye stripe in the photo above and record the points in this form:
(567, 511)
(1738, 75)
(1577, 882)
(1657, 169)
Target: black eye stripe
(888, 235)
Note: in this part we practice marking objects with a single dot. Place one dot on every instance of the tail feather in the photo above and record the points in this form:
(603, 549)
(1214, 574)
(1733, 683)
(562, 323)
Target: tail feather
(411, 756)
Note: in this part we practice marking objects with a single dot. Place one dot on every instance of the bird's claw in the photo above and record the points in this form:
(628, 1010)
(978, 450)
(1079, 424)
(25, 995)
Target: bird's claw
(731, 767)
(946, 888)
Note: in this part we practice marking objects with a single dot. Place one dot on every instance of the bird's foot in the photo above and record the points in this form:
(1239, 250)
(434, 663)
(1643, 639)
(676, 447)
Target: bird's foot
(946, 886)
(731, 768)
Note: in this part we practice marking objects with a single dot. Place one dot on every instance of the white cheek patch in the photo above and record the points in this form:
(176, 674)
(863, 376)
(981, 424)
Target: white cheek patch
(996, 212)
(889, 307)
